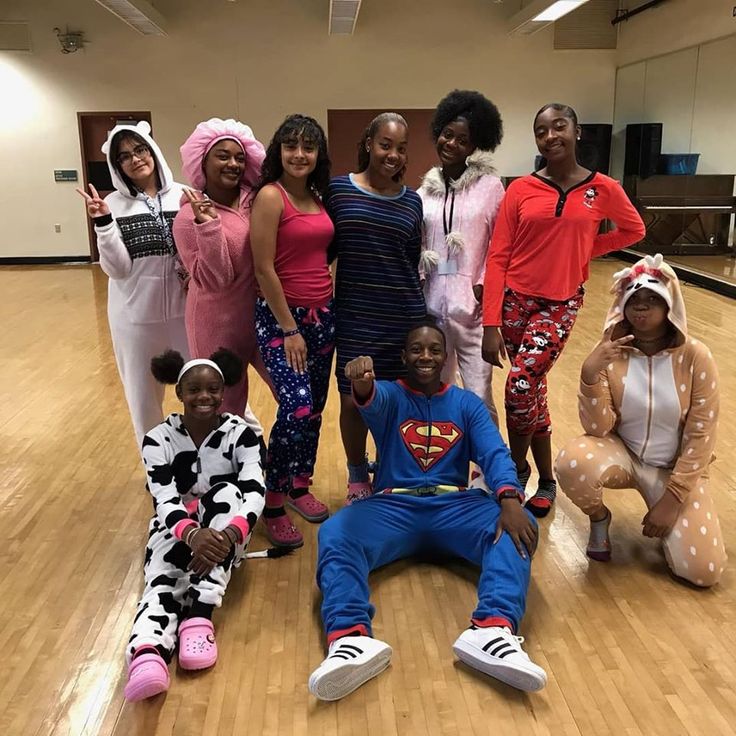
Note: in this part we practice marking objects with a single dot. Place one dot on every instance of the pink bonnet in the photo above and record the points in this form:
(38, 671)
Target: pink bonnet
(205, 136)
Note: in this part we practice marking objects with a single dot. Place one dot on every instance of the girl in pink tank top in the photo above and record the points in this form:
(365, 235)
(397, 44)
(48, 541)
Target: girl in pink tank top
(295, 328)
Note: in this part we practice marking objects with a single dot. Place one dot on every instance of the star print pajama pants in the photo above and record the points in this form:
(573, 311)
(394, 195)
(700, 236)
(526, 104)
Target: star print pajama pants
(534, 332)
(292, 445)
(170, 588)
(693, 549)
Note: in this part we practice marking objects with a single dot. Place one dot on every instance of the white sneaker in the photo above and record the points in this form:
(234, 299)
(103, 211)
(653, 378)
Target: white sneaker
(352, 660)
(495, 651)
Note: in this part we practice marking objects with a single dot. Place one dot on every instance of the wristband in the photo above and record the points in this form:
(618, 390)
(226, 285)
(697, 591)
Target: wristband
(509, 493)
(291, 333)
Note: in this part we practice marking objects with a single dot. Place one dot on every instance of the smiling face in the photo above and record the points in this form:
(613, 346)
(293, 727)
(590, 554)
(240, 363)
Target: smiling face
(200, 390)
(135, 160)
(224, 164)
(424, 357)
(299, 156)
(388, 150)
(555, 134)
(454, 144)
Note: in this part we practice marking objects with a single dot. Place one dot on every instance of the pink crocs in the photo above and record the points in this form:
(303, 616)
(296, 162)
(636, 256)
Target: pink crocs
(197, 645)
(308, 507)
(282, 533)
(358, 492)
(148, 675)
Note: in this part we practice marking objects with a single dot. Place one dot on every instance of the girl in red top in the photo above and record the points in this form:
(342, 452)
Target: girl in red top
(295, 324)
(545, 237)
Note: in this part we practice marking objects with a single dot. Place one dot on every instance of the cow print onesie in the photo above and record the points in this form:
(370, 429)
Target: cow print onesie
(220, 483)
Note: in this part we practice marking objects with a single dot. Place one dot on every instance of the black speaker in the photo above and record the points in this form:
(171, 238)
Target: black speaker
(594, 146)
(643, 148)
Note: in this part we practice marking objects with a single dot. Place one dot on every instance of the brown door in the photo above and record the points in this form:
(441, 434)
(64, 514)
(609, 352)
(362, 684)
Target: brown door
(93, 130)
(345, 129)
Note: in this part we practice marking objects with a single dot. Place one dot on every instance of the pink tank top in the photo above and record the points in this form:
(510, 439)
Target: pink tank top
(301, 255)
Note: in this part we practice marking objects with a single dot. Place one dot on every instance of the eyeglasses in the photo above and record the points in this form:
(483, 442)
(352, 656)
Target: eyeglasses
(140, 151)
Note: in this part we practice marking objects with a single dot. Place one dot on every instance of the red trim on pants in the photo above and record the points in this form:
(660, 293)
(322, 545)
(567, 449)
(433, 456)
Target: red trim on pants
(360, 628)
(484, 623)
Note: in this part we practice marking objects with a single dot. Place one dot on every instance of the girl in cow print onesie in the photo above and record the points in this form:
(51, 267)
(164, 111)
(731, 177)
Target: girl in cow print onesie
(204, 473)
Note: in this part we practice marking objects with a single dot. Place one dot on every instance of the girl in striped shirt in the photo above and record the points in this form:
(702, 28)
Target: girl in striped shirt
(378, 233)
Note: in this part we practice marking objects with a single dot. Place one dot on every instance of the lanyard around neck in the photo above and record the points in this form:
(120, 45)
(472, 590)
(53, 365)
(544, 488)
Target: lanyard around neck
(447, 226)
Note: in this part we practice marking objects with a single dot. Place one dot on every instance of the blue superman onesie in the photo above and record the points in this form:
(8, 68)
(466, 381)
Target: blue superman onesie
(422, 504)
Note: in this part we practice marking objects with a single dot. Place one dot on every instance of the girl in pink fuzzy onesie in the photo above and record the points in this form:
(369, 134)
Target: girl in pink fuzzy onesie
(461, 197)
(222, 159)
(649, 406)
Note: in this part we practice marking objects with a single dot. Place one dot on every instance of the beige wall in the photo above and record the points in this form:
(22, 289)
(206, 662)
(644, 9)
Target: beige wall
(259, 60)
(675, 24)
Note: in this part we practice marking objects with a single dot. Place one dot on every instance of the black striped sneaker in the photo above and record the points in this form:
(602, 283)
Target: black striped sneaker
(540, 504)
(495, 651)
(352, 660)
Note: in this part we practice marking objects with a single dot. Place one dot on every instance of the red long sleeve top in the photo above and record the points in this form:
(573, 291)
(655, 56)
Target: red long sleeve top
(545, 237)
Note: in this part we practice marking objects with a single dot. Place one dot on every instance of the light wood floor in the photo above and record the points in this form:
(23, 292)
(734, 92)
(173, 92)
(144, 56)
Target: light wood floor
(627, 649)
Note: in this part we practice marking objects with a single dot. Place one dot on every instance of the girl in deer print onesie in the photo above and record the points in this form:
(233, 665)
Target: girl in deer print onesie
(649, 405)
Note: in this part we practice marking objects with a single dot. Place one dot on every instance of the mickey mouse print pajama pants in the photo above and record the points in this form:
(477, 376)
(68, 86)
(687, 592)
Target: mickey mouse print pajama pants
(534, 332)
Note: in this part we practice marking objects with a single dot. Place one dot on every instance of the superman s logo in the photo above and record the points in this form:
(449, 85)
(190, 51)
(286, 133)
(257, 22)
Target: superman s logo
(429, 443)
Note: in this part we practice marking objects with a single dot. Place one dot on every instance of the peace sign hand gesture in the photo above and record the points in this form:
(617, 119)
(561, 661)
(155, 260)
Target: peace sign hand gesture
(96, 206)
(202, 206)
(605, 352)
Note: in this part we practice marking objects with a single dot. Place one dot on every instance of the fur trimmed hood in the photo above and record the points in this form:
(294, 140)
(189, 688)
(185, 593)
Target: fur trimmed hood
(480, 163)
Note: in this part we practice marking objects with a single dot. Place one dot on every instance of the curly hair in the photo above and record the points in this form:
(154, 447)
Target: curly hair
(484, 119)
(167, 366)
(566, 110)
(116, 142)
(297, 127)
(364, 157)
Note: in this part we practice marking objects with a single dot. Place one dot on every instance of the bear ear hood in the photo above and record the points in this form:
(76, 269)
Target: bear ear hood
(651, 272)
(143, 129)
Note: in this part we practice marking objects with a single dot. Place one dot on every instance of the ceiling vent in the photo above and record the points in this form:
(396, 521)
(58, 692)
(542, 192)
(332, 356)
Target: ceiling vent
(14, 36)
(343, 16)
(138, 14)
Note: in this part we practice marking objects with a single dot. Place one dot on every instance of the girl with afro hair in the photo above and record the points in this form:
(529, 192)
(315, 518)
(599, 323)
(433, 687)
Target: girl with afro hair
(203, 470)
(461, 197)
(295, 316)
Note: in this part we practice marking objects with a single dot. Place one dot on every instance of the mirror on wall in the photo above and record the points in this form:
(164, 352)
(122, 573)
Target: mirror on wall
(674, 150)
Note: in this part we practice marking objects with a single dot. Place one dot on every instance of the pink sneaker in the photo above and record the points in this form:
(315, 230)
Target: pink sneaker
(197, 645)
(148, 675)
(282, 533)
(358, 492)
(308, 507)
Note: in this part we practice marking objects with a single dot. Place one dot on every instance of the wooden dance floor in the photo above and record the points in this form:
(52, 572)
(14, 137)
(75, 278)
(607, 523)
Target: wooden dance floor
(627, 649)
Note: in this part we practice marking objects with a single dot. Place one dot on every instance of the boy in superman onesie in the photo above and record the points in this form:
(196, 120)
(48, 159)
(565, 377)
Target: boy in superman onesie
(427, 433)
